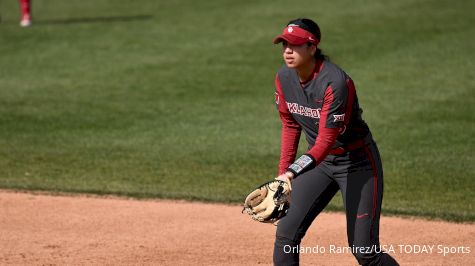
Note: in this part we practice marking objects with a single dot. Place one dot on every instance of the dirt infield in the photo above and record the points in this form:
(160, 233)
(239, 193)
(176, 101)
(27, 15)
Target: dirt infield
(80, 230)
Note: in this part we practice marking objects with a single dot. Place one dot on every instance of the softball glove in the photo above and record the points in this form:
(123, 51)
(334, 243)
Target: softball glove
(269, 202)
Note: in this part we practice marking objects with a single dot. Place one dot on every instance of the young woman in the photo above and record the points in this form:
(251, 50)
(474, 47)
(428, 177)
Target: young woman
(318, 97)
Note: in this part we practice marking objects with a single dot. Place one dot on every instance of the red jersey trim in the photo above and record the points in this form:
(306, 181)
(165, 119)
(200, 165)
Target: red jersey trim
(351, 99)
(326, 136)
(291, 131)
(375, 186)
(316, 70)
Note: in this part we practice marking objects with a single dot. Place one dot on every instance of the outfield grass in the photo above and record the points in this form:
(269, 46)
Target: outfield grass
(175, 99)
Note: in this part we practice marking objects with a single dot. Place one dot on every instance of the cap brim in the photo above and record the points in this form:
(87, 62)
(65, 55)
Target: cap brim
(291, 39)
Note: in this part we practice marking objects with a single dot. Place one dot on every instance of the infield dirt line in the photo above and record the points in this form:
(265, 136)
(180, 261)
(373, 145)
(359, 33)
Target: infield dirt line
(38, 229)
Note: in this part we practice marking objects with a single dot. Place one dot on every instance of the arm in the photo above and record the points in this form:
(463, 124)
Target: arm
(291, 130)
(326, 135)
(336, 111)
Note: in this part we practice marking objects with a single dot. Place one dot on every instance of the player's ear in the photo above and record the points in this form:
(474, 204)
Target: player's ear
(313, 48)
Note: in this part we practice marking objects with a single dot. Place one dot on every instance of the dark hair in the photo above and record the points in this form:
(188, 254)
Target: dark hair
(312, 27)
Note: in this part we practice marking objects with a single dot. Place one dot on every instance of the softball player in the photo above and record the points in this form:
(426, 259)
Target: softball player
(318, 97)
(25, 7)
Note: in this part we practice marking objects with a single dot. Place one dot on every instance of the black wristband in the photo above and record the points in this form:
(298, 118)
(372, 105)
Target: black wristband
(302, 164)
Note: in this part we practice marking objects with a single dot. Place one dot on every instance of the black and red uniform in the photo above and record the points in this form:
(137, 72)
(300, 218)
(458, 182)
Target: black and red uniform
(326, 108)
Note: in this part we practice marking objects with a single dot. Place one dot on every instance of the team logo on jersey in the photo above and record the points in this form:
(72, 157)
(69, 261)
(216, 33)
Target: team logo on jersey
(295, 108)
(339, 118)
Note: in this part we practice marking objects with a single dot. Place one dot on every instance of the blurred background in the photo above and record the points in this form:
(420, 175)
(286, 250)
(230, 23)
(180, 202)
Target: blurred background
(174, 99)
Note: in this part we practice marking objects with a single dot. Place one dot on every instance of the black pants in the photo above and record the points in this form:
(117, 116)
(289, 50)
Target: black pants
(359, 176)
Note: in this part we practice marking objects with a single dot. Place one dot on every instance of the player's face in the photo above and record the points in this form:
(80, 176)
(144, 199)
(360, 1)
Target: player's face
(296, 56)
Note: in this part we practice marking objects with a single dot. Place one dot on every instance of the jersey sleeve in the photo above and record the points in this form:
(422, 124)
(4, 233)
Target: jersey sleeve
(340, 97)
(291, 130)
(335, 114)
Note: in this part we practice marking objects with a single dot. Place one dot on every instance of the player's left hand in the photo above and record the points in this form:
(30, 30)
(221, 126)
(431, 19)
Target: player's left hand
(268, 202)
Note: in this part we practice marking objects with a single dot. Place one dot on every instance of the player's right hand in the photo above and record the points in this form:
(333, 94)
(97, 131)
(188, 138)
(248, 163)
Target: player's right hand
(286, 177)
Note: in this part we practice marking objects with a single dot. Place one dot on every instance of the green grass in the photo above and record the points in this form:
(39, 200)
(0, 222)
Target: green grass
(175, 99)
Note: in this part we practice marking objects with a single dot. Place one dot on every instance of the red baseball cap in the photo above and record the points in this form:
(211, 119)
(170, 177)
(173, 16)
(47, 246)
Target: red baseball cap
(296, 35)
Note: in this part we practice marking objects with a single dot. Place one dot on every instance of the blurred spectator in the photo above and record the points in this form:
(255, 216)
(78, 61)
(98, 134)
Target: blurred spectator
(25, 6)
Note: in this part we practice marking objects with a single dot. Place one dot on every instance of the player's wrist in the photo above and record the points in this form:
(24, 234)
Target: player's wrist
(289, 175)
(301, 165)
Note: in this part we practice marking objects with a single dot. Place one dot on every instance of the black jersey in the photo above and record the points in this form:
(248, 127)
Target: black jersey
(305, 103)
